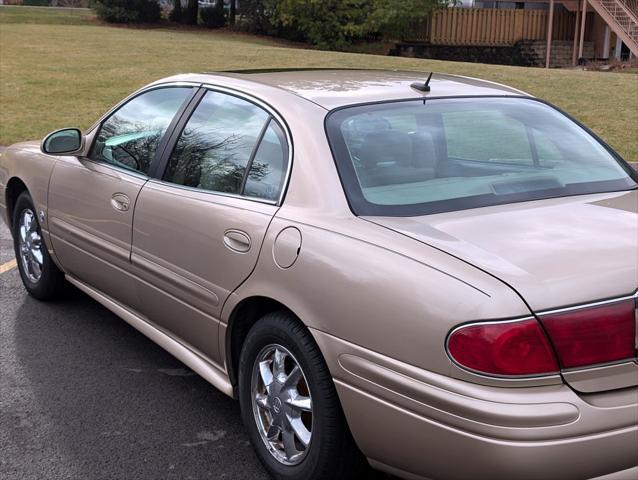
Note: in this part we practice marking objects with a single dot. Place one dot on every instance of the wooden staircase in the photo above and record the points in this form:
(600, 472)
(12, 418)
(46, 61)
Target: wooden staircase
(622, 18)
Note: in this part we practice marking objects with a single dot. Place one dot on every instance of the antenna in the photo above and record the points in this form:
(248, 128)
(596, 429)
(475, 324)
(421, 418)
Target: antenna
(422, 87)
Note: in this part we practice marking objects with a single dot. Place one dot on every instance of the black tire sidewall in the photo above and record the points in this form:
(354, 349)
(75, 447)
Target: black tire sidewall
(49, 283)
(280, 328)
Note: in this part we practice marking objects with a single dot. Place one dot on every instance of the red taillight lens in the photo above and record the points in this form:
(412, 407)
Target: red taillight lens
(503, 348)
(593, 335)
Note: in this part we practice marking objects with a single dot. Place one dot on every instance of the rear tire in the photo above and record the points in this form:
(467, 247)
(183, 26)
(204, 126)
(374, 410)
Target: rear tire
(302, 403)
(40, 276)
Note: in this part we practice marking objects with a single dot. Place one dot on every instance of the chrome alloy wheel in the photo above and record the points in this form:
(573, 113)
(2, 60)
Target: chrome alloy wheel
(282, 404)
(30, 245)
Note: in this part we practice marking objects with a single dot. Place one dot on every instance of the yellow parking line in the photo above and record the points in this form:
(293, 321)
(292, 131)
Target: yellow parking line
(10, 265)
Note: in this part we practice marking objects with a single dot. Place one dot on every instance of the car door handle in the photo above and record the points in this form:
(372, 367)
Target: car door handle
(237, 240)
(120, 202)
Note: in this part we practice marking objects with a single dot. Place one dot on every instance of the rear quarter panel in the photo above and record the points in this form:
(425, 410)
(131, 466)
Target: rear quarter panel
(380, 298)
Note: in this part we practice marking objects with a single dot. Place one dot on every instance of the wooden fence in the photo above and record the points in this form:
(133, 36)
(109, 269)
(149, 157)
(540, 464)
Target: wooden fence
(488, 26)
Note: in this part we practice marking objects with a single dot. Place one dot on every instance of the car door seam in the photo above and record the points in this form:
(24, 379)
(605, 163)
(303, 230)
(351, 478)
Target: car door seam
(130, 250)
(253, 154)
(161, 161)
(261, 246)
(156, 162)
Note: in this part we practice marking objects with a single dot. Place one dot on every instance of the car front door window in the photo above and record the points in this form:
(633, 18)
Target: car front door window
(129, 138)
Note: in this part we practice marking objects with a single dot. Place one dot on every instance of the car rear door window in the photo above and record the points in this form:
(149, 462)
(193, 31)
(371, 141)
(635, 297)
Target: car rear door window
(231, 146)
(267, 169)
(129, 138)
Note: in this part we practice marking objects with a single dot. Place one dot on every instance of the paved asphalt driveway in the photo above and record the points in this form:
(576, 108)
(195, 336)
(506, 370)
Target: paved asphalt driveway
(85, 396)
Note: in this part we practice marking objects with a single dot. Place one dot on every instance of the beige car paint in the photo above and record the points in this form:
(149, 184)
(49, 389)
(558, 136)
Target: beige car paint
(550, 412)
(334, 88)
(413, 446)
(91, 238)
(378, 303)
(25, 163)
(537, 247)
(607, 377)
(340, 304)
(186, 270)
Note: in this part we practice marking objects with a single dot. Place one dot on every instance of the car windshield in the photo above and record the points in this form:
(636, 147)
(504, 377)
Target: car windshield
(420, 157)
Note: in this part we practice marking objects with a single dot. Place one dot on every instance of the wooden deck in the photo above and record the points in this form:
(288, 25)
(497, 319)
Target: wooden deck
(487, 26)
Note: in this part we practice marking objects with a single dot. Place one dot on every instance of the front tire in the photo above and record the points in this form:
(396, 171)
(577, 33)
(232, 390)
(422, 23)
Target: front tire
(290, 406)
(40, 276)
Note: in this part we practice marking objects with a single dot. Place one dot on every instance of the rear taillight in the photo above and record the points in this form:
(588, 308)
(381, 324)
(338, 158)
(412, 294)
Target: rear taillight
(592, 335)
(503, 348)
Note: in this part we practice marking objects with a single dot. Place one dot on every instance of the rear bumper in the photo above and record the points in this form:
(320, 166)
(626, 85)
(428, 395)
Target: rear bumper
(417, 424)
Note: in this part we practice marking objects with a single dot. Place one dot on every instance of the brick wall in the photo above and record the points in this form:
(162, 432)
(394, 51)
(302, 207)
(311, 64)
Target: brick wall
(535, 52)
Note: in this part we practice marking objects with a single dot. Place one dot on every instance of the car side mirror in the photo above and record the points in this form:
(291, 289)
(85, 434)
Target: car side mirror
(68, 141)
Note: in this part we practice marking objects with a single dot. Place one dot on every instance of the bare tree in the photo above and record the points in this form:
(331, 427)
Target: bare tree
(232, 12)
(176, 13)
(191, 13)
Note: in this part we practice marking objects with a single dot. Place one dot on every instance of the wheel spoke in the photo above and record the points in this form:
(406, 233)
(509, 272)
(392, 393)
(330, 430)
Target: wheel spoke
(278, 363)
(290, 448)
(23, 233)
(37, 255)
(33, 225)
(302, 433)
(262, 401)
(266, 373)
(35, 266)
(273, 433)
(27, 220)
(301, 403)
(293, 378)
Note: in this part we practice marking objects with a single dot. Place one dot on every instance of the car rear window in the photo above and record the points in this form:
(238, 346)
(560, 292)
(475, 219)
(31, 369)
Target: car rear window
(420, 157)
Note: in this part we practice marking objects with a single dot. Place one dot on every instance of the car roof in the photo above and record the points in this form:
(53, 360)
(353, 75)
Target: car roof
(333, 88)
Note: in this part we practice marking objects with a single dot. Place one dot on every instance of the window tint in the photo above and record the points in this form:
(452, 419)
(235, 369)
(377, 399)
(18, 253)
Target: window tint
(266, 174)
(214, 149)
(486, 135)
(415, 158)
(547, 150)
(130, 136)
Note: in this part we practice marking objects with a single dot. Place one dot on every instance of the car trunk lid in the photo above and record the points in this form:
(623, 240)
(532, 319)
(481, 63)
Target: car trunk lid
(555, 253)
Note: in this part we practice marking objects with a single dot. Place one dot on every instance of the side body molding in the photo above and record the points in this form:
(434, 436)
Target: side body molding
(211, 373)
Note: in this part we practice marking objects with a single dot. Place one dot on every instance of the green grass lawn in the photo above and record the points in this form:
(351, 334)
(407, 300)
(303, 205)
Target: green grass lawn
(47, 15)
(62, 68)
